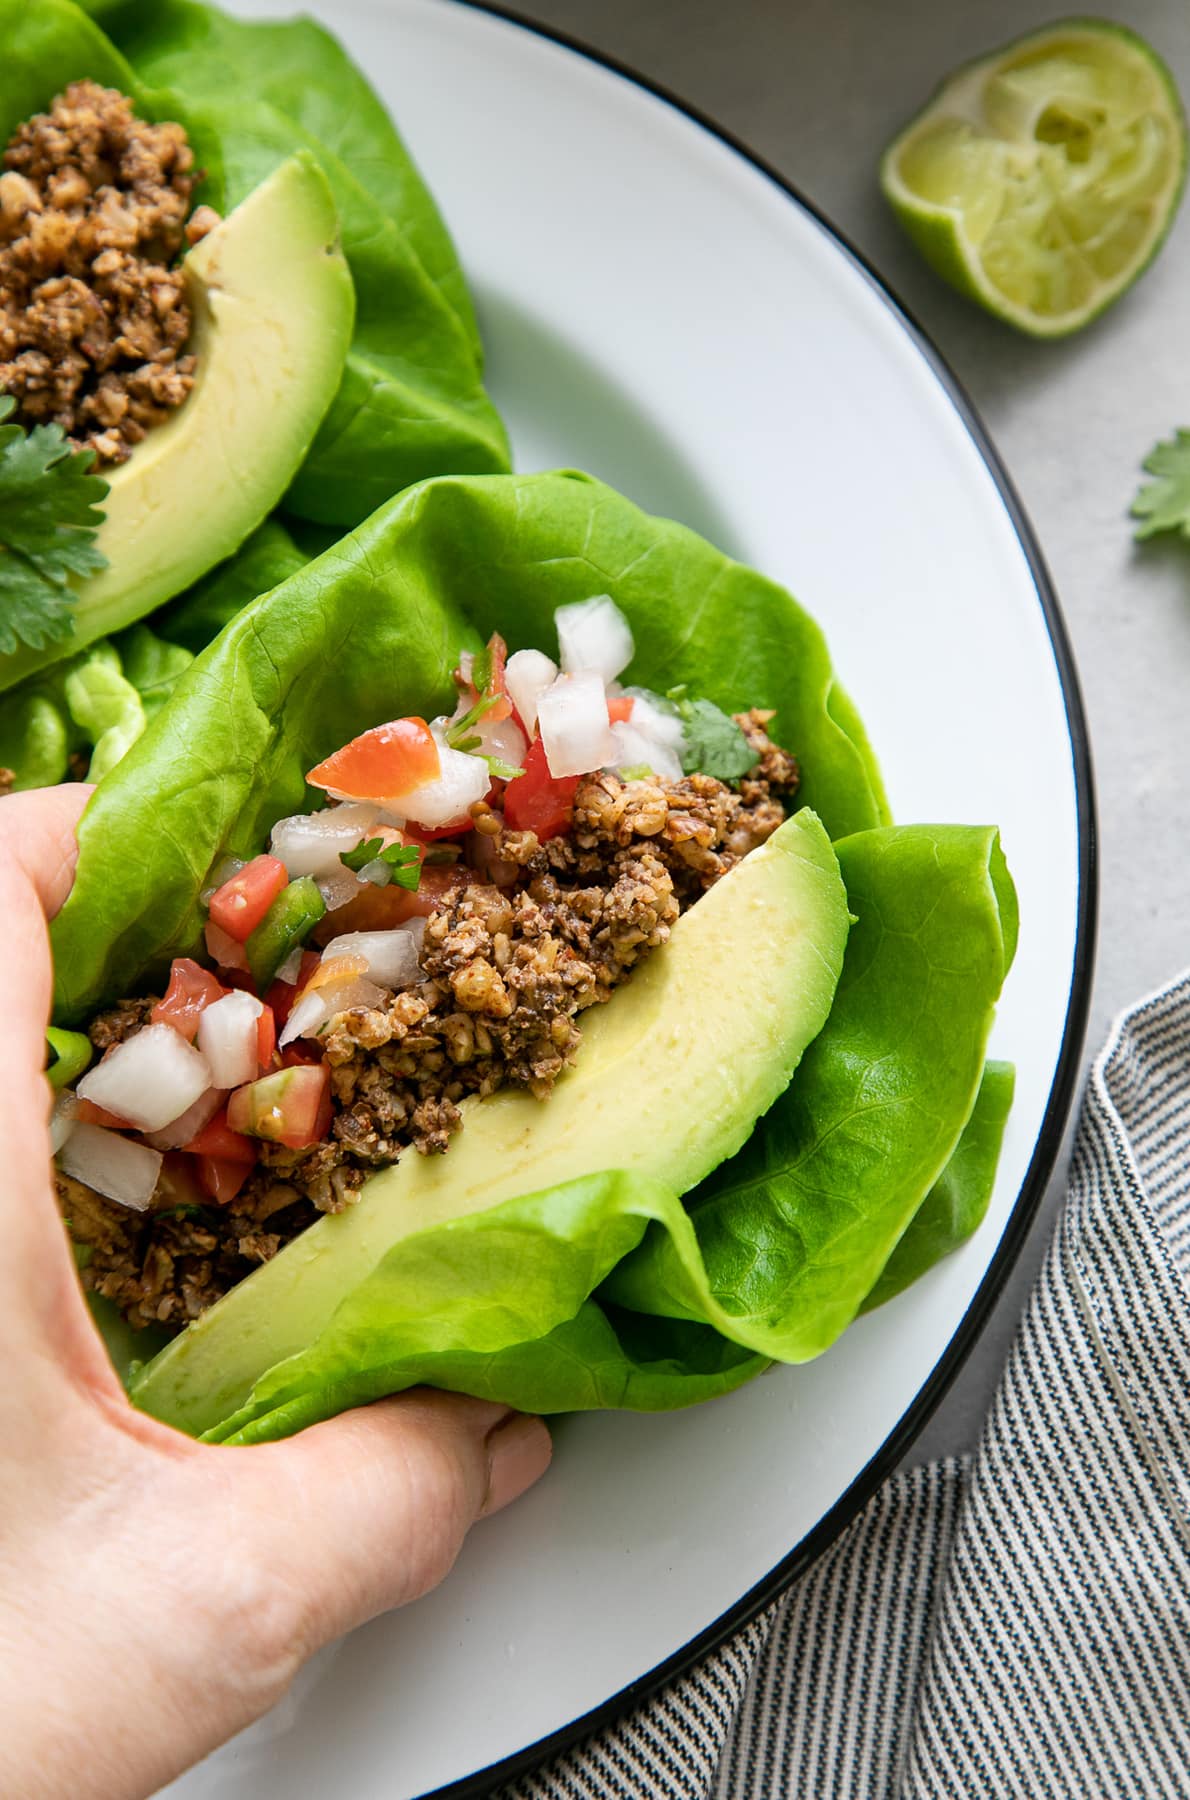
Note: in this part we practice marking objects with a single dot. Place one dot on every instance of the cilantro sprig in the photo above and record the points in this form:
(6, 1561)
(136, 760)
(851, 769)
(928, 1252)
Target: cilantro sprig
(49, 517)
(715, 745)
(462, 735)
(382, 863)
(1164, 504)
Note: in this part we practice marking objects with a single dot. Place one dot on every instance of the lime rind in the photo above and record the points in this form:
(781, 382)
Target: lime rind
(1042, 179)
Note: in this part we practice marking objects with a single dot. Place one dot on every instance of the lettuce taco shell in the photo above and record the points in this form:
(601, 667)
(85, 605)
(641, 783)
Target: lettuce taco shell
(607, 1288)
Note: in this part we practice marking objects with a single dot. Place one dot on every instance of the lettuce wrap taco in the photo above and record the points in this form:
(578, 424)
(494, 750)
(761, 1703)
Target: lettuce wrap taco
(506, 976)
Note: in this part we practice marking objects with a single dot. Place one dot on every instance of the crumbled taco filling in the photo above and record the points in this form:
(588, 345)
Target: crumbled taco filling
(95, 208)
(509, 934)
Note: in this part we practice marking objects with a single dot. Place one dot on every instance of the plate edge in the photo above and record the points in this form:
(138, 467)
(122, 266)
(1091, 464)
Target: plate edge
(1062, 1089)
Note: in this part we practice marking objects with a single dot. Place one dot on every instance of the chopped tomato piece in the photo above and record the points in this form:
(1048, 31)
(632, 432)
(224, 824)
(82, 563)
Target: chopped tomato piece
(538, 801)
(177, 1184)
(191, 990)
(282, 994)
(266, 1040)
(222, 1181)
(383, 763)
(217, 1139)
(498, 684)
(300, 1051)
(240, 905)
(619, 708)
(380, 909)
(291, 1106)
(87, 1113)
(429, 834)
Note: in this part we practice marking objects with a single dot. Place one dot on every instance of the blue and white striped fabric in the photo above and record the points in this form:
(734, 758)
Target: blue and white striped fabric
(1016, 1623)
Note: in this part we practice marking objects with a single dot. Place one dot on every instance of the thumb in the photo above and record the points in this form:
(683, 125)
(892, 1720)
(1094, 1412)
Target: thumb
(374, 1505)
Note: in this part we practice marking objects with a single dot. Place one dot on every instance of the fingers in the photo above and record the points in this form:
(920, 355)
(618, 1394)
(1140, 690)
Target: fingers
(37, 831)
(37, 857)
(369, 1510)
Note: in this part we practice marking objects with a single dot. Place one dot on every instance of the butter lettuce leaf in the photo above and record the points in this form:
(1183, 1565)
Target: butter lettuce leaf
(412, 401)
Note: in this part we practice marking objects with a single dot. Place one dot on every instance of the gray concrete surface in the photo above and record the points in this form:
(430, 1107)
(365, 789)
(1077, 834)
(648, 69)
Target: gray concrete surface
(817, 87)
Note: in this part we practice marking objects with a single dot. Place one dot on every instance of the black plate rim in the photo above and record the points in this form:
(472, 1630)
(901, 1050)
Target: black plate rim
(1066, 1074)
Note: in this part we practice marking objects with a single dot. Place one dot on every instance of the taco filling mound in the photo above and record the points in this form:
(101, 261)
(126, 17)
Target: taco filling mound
(473, 886)
(95, 208)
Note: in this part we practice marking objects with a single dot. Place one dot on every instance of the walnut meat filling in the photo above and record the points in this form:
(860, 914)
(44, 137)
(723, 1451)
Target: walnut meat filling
(509, 969)
(94, 319)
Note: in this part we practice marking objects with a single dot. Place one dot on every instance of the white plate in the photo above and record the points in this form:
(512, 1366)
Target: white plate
(663, 312)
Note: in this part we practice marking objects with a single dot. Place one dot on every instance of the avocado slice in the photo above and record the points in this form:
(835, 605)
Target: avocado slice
(273, 305)
(672, 1075)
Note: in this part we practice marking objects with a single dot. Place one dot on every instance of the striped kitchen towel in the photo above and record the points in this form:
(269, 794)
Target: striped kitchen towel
(1016, 1623)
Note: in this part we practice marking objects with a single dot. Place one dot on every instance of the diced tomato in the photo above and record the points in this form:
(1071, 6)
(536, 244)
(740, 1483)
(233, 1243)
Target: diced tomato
(300, 1051)
(619, 708)
(282, 994)
(538, 801)
(498, 685)
(240, 905)
(177, 1184)
(387, 761)
(191, 989)
(87, 1113)
(217, 1139)
(266, 1040)
(291, 1106)
(222, 1181)
(430, 834)
(382, 908)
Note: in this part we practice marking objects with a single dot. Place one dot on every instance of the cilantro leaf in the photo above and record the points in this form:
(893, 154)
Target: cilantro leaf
(1164, 504)
(715, 745)
(402, 862)
(482, 670)
(48, 520)
(459, 734)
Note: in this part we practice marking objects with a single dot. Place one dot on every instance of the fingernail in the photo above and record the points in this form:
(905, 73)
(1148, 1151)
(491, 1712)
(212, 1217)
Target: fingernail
(518, 1452)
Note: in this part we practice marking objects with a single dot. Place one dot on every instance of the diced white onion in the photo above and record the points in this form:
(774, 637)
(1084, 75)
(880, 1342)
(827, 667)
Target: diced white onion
(181, 1130)
(227, 1038)
(315, 1010)
(572, 719)
(461, 781)
(109, 1164)
(312, 843)
(291, 969)
(656, 722)
(527, 674)
(594, 634)
(62, 1118)
(391, 956)
(338, 889)
(503, 739)
(633, 748)
(150, 1079)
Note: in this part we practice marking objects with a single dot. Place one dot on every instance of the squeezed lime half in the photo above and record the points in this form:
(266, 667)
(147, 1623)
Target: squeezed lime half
(1042, 179)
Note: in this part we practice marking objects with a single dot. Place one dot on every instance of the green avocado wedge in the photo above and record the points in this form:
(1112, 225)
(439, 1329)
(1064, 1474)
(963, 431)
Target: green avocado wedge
(272, 303)
(675, 1070)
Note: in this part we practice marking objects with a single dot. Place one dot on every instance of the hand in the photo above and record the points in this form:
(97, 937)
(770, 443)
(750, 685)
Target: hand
(157, 1594)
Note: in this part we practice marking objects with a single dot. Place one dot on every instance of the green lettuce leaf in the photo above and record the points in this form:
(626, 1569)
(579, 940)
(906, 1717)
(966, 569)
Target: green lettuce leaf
(262, 562)
(412, 401)
(955, 1206)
